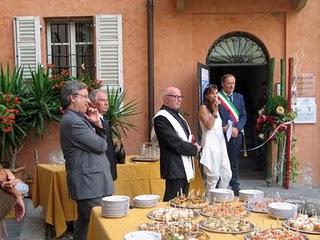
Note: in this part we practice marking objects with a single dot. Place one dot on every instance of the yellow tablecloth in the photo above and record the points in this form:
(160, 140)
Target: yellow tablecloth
(134, 178)
(51, 192)
(101, 228)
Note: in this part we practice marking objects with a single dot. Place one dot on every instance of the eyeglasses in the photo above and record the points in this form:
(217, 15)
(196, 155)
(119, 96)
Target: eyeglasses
(84, 96)
(176, 96)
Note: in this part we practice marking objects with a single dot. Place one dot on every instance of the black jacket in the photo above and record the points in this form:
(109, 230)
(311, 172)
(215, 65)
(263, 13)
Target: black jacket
(110, 151)
(172, 146)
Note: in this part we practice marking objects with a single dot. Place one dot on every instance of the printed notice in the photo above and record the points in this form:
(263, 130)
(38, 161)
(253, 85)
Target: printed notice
(306, 85)
(306, 109)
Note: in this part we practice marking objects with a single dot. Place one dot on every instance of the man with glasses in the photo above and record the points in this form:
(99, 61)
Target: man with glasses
(173, 133)
(84, 146)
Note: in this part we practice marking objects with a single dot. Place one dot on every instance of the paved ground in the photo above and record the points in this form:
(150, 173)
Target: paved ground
(33, 226)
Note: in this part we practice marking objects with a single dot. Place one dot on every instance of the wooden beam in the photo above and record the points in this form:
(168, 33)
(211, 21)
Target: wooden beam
(181, 6)
(298, 5)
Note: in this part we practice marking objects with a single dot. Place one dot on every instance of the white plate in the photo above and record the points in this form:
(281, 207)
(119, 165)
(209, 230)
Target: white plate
(279, 206)
(147, 197)
(221, 190)
(116, 198)
(142, 235)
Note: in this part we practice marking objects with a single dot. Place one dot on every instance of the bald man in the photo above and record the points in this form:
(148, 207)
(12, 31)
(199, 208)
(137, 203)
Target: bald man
(176, 149)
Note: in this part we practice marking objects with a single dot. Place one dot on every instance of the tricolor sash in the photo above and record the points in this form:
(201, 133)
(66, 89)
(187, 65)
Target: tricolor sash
(227, 104)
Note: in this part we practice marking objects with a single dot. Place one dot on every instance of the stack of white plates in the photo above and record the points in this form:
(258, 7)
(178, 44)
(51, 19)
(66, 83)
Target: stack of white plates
(115, 206)
(221, 195)
(146, 201)
(142, 235)
(282, 210)
(250, 194)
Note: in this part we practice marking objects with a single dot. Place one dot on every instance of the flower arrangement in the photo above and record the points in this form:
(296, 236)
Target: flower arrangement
(273, 123)
(8, 110)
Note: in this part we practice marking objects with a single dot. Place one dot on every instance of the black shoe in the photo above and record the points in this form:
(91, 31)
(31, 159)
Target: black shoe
(236, 191)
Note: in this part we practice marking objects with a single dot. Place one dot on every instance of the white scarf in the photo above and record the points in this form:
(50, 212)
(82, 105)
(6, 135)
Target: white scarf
(188, 163)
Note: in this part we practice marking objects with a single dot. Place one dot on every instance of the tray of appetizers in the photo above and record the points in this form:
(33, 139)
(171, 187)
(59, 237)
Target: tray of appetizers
(226, 209)
(275, 234)
(194, 201)
(303, 223)
(258, 205)
(172, 214)
(226, 225)
(176, 230)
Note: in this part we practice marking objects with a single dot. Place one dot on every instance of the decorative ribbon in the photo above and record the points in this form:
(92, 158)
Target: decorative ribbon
(227, 104)
(269, 138)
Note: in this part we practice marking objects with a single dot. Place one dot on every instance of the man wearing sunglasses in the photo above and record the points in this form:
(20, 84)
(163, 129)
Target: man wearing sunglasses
(173, 133)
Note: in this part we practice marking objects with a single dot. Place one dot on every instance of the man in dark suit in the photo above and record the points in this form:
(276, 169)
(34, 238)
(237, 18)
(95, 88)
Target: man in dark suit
(100, 100)
(176, 149)
(232, 109)
(88, 170)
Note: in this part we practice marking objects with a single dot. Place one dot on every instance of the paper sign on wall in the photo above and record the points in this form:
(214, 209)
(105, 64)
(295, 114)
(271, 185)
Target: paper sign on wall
(306, 109)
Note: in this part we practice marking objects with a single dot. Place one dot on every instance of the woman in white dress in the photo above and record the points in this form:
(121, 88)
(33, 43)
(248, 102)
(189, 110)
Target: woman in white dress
(214, 157)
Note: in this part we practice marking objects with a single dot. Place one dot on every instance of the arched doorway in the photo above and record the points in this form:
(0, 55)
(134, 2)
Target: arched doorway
(247, 58)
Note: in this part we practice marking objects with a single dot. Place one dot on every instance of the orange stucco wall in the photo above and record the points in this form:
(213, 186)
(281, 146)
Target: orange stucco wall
(182, 40)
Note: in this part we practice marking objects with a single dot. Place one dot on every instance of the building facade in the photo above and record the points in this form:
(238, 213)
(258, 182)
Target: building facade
(111, 38)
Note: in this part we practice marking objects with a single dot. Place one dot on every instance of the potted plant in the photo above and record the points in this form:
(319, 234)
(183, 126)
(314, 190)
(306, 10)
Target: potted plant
(13, 129)
(118, 114)
(119, 111)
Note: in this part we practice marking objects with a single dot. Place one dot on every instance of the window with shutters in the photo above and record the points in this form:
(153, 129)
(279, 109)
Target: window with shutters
(27, 43)
(73, 43)
(70, 46)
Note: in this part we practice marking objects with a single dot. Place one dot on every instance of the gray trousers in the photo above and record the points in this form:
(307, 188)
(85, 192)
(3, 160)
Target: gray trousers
(84, 211)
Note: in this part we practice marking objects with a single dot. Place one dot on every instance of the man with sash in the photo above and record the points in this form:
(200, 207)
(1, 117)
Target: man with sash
(173, 133)
(232, 110)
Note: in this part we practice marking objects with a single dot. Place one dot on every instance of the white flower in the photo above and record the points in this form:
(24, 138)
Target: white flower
(280, 110)
(261, 111)
(261, 136)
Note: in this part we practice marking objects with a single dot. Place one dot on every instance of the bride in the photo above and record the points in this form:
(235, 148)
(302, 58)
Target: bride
(214, 157)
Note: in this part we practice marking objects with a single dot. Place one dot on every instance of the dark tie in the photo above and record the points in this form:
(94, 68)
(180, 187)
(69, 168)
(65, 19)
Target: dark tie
(230, 97)
(104, 122)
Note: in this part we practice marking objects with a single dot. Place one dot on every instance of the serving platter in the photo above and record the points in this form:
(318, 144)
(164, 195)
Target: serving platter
(304, 224)
(175, 230)
(172, 214)
(226, 225)
(275, 234)
(226, 209)
(189, 203)
(144, 159)
(258, 205)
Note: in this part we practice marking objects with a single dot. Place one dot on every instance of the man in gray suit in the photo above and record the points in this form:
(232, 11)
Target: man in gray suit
(84, 146)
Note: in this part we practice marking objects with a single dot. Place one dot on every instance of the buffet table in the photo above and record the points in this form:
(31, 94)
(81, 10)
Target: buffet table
(134, 178)
(101, 228)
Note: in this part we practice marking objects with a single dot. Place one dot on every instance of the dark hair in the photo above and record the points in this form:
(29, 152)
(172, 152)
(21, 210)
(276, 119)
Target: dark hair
(70, 88)
(225, 76)
(206, 92)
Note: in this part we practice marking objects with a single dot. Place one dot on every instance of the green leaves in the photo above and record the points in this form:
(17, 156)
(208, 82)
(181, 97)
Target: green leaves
(42, 101)
(119, 111)
(12, 128)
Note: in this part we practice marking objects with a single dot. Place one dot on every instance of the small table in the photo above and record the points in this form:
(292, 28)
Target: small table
(134, 178)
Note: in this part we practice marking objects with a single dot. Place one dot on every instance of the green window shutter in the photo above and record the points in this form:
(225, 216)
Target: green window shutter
(27, 43)
(109, 50)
